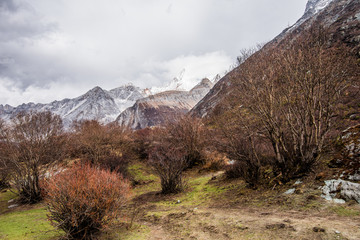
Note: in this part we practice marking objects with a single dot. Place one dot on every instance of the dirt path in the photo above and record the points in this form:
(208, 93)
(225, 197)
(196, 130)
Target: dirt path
(242, 223)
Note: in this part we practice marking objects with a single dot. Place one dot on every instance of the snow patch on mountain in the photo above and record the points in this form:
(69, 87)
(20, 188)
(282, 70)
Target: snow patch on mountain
(313, 7)
(97, 104)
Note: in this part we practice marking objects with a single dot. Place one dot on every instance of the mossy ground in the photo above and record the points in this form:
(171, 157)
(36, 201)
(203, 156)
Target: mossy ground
(211, 207)
(27, 224)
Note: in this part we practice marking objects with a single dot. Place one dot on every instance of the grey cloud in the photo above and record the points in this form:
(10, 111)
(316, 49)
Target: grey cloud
(20, 20)
(8, 5)
(75, 45)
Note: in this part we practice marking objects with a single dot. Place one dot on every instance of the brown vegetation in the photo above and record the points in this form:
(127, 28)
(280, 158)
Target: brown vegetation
(30, 147)
(82, 200)
(109, 146)
(291, 98)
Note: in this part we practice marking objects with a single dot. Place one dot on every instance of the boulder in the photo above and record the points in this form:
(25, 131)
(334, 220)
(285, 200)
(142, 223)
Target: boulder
(344, 189)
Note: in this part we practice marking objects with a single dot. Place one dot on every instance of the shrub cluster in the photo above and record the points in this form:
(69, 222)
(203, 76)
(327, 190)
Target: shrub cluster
(110, 147)
(82, 200)
(168, 163)
(175, 147)
(286, 100)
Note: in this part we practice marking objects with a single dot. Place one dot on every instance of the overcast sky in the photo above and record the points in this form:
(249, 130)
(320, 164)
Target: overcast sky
(50, 50)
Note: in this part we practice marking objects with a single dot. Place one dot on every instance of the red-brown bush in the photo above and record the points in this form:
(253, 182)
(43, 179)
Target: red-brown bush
(82, 200)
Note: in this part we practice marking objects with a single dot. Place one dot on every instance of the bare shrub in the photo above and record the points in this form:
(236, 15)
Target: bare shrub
(109, 146)
(178, 145)
(189, 134)
(83, 200)
(4, 173)
(31, 146)
(215, 161)
(237, 135)
(168, 162)
(142, 142)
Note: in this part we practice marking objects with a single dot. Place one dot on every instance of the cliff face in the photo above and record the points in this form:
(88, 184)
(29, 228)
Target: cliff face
(159, 108)
(340, 17)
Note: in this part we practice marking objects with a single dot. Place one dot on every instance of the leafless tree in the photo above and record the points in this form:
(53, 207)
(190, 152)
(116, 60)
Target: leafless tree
(294, 93)
(168, 162)
(188, 134)
(109, 146)
(4, 173)
(235, 135)
(247, 52)
(31, 146)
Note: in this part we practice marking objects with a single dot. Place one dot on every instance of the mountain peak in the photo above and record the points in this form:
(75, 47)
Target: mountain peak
(205, 83)
(96, 89)
(314, 6)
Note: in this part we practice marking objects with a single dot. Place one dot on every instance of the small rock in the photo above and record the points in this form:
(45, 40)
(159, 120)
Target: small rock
(339, 201)
(178, 201)
(318, 229)
(211, 229)
(354, 117)
(13, 205)
(290, 191)
(337, 232)
(242, 228)
(298, 182)
(355, 177)
(275, 226)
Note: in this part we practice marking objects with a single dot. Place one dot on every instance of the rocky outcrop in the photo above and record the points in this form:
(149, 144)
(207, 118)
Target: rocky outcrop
(159, 108)
(340, 191)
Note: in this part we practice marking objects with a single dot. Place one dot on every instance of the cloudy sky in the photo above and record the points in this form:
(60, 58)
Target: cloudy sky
(55, 49)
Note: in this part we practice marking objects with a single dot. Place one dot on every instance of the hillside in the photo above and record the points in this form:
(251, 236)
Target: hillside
(341, 18)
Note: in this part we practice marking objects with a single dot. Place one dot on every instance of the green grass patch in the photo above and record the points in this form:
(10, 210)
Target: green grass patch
(345, 211)
(7, 195)
(4, 198)
(27, 224)
(199, 191)
(141, 173)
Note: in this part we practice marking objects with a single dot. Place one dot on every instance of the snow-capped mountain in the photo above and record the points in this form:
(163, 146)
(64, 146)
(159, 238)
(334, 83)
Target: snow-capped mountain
(128, 105)
(158, 108)
(313, 7)
(97, 104)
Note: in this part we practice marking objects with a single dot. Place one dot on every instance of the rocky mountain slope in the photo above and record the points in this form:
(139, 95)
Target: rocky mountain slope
(340, 17)
(96, 104)
(138, 108)
(160, 107)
